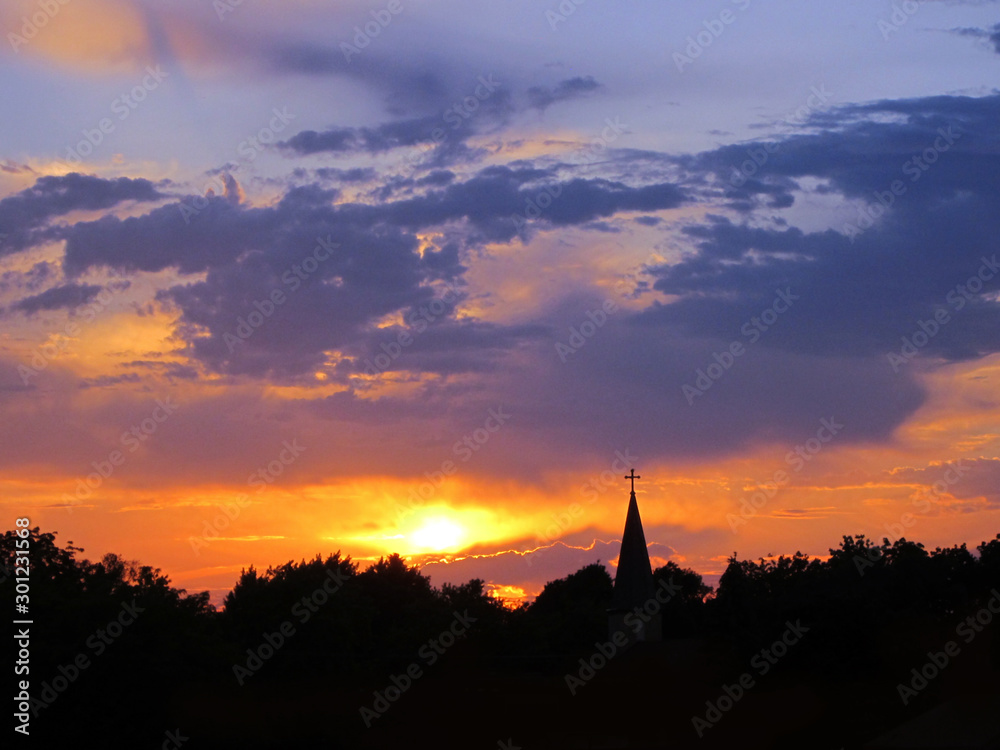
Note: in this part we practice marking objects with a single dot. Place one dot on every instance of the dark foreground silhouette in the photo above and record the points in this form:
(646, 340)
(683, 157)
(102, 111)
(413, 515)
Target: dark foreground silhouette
(877, 646)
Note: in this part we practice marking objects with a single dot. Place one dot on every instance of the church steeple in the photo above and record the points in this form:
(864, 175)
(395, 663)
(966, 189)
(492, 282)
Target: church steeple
(634, 579)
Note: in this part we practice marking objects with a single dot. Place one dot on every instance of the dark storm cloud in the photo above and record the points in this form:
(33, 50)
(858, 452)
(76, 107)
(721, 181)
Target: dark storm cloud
(12, 167)
(109, 381)
(437, 178)
(407, 84)
(853, 303)
(67, 296)
(28, 281)
(860, 292)
(357, 174)
(628, 378)
(492, 199)
(825, 357)
(163, 238)
(622, 388)
(444, 347)
(368, 139)
(410, 78)
(436, 140)
(168, 369)
(376, 268)
(864, 148)
(454, 108)
(368, 276)
(543, 97)
(991, 35)
(51, 197)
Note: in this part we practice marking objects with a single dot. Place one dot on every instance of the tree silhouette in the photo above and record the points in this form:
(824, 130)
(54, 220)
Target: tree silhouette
(570, 613)
(98, 626)
(873, 612)
(683, 614)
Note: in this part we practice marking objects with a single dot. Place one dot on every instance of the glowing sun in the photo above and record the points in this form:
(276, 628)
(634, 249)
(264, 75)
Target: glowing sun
(438, 534)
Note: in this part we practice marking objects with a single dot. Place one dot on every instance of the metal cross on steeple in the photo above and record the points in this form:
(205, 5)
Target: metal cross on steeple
(633, 476)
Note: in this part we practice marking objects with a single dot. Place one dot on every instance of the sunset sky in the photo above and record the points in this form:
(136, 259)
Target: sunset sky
(287, 278)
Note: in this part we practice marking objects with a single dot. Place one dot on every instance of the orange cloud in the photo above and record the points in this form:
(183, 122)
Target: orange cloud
(104, 35)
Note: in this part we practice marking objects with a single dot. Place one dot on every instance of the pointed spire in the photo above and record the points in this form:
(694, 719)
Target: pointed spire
(634, 579)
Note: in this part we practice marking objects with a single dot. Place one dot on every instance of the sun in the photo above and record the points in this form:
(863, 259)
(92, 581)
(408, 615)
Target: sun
(438, 535)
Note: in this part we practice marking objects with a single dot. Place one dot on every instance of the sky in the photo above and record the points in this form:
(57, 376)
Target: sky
(279, 279)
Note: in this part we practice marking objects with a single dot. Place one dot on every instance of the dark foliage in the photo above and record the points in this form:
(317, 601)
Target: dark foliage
(870, 609)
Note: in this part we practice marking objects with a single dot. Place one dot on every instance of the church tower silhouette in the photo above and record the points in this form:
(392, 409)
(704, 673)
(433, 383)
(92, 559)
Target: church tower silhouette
(634, 581)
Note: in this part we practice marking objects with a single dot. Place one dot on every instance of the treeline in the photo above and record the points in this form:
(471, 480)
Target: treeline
(150, 646)
(867, 603)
